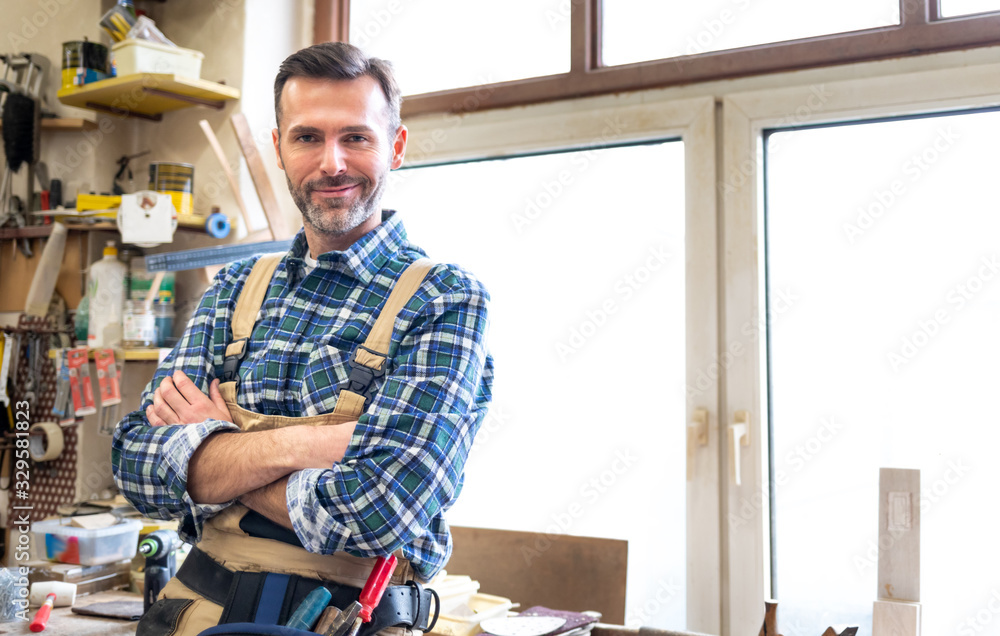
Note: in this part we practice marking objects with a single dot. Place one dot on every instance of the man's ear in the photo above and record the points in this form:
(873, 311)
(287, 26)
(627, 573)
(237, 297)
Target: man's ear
(277, 146)
(398, 148)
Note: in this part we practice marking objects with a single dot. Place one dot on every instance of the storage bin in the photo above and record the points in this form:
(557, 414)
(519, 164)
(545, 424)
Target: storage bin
(139, 56)
(69, 544)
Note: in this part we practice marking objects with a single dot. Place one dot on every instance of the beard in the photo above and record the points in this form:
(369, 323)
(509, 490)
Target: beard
(334, 216)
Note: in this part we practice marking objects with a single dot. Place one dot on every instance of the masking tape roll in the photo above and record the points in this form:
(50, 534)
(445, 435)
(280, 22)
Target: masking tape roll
(48, 445)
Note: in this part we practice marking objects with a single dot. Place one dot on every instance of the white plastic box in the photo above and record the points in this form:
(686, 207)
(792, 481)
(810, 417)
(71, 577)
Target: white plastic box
(140, 56)
(69, 544)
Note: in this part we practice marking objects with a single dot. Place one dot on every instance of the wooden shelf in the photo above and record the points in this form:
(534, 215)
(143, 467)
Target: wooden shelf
(73, 222)
(147, 95)
(66, 124)
(127, 354)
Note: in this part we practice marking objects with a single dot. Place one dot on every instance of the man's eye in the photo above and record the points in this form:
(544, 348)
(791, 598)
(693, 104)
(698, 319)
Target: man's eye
(357, 138)
(306, 138)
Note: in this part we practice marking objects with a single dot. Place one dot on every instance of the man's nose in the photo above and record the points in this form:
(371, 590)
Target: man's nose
(334, 159)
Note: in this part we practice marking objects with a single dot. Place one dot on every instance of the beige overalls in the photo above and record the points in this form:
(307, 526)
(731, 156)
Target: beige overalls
(222, 538)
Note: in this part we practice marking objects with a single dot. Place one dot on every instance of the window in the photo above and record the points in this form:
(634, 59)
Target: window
(673, 29)
(952, 8)
(884, 293)
(584, 256)
(450, 43)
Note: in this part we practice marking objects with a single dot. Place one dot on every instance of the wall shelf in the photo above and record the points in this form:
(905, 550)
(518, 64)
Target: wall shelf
(66, 124)
(147, 95)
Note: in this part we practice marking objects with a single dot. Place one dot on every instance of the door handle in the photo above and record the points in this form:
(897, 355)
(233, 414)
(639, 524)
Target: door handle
(697, 435)
(739, 436)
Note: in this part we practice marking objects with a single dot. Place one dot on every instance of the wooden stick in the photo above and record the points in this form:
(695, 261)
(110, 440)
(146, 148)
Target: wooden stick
(213, 141)
(265, 191)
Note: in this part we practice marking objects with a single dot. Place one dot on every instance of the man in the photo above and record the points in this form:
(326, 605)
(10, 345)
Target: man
(304, 423)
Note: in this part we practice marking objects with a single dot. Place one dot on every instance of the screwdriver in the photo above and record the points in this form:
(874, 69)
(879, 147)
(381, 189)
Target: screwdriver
(378, 580)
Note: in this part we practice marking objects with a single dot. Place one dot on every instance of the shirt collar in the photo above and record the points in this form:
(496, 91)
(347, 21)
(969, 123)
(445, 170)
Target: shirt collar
(365, 257)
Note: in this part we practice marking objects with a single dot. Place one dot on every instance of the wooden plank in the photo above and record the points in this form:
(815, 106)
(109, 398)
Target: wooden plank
(558, 571)
(895, 618)
(899, 534)
(213, 141)
(265, 191)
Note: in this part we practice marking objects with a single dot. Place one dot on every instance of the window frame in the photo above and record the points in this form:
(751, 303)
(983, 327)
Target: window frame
(746, 543)
(437, 139)
(922, 30)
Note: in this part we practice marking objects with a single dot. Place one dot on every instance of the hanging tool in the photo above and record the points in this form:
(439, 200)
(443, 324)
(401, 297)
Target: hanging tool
(378, 580)
(21, 97)
(117, 187)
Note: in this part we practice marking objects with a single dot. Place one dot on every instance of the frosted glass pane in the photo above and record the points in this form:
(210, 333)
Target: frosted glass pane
(640, 30)
(583, 254)
(442, 44)
(951, 8)
(885, 306)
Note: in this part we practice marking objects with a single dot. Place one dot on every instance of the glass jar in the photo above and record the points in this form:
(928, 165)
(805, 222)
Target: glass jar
(138, 325)
(164, 322)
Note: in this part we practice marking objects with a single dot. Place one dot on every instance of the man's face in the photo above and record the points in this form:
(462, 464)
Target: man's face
(336, 151)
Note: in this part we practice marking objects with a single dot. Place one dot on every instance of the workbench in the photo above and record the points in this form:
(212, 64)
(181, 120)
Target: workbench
(64, 622)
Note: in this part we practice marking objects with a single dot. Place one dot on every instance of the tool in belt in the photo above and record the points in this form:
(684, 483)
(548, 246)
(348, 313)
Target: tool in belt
(262, 602)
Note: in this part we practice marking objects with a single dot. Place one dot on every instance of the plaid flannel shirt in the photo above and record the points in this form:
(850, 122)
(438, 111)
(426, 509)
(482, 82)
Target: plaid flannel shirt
(404, 466)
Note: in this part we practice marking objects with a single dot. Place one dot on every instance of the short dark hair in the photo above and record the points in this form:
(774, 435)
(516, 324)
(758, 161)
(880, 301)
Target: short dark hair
(339, 61)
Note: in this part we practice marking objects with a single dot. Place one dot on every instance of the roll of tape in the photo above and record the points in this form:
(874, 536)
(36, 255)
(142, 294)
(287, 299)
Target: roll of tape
(45, 442)
(217, 225)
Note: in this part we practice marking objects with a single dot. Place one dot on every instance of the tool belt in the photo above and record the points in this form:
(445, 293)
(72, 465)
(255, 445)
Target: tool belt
(261, 602)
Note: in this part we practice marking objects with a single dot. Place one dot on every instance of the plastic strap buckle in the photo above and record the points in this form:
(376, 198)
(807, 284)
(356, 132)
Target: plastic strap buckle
(232, 363)
(362, 378)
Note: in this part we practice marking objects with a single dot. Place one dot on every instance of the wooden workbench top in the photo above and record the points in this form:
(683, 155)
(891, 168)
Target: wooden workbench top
(64, 622)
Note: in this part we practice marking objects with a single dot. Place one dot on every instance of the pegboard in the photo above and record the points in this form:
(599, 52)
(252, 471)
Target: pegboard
(52, 483)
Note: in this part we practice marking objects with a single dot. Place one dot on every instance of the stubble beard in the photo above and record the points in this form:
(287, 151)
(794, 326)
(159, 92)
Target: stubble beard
(330, 217)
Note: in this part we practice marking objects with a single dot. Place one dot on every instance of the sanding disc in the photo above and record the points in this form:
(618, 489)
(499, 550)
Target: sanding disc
(522, 625)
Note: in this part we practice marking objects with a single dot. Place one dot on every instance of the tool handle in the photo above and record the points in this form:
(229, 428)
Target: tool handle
(378, 580)
(42, 616)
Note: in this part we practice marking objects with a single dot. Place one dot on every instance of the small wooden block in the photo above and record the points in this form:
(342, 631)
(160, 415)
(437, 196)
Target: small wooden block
(899, 534)
(896, 618)
(845, 631)
(770, 626)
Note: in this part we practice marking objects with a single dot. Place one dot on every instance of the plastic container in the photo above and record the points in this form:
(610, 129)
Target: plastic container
(105, 298)
(69, 544)
(139, 56)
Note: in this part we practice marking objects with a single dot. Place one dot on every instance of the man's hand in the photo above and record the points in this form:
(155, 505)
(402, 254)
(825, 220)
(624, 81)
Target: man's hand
(178, 401)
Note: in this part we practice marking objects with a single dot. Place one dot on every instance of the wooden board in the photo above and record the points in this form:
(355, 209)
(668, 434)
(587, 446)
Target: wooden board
(265, 191)
(896, 618)
(899, 534)
(16, 273)
(558, 571)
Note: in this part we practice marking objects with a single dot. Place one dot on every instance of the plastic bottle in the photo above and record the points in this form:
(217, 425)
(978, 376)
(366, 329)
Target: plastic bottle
(106, 295)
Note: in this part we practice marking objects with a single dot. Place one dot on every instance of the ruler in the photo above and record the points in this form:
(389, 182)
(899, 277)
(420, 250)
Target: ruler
(205, 257)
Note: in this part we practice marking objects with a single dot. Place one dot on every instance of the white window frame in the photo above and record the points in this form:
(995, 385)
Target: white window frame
(746, 542)
(639, 117)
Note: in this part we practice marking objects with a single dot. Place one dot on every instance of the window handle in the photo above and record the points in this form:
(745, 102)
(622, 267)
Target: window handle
(697, 435)
(739, 435)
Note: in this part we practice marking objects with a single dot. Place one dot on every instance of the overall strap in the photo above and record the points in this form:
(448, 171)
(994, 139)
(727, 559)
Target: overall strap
(368, 360)
(247, 308)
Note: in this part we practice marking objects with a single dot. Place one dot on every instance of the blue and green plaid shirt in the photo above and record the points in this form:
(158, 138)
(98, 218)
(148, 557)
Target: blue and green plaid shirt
(404, 466)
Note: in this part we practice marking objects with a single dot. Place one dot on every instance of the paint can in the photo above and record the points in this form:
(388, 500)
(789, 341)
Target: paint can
(176, 180)
(83, 62)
